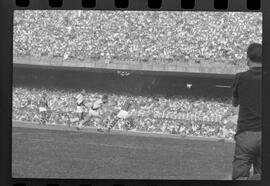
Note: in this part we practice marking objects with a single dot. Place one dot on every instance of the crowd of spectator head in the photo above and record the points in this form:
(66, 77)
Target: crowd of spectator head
(137, 36)
(187, 116)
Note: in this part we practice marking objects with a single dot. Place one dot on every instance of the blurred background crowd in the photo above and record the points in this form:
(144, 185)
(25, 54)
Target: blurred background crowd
(137, 37)
(186, 116)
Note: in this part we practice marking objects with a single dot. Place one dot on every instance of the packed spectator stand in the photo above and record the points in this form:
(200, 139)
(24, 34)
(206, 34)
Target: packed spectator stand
(137, 36)
(186, 116)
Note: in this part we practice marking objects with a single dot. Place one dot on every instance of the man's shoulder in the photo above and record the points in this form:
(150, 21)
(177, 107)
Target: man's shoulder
(247, 75)
(243, 75)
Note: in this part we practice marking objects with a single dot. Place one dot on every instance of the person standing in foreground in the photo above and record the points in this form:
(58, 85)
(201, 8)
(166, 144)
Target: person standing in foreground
(247, 95)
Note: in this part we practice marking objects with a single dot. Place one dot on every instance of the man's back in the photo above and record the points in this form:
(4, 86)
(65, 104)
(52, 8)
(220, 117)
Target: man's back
(247, 90)
(247, 87)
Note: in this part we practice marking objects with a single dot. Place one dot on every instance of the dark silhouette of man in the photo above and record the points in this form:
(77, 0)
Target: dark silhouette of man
(246, 92)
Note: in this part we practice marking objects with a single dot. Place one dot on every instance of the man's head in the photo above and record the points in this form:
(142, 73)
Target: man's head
(83, 92)
(44, 95)
(130, 101)
(254, 55)
(156, 99)
(104, 98)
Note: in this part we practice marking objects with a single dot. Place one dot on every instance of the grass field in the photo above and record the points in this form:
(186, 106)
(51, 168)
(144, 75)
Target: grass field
(62, 152)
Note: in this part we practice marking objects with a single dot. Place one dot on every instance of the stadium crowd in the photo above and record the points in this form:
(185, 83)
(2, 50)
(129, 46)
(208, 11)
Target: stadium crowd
(187, 116)
(137, 36)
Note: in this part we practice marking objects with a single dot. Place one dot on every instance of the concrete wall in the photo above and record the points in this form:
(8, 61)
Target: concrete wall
(126, 82)
(204, 67)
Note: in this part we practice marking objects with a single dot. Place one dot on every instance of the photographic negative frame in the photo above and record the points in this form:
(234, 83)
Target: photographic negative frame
(168, 5)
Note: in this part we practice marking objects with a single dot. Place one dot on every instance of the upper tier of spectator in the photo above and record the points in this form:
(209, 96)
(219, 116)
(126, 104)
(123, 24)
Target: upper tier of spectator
(137, 36)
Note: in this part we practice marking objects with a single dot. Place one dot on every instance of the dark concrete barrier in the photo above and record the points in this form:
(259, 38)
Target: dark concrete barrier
(124, 81)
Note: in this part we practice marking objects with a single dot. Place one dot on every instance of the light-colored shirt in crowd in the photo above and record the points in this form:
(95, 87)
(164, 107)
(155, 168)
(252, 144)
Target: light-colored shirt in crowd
(97, 104)
(80, 99)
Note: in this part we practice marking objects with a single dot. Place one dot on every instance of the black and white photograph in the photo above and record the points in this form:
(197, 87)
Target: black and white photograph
(165, 95)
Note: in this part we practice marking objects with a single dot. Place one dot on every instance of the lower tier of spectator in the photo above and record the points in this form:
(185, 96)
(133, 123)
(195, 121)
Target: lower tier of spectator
(184, 115)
